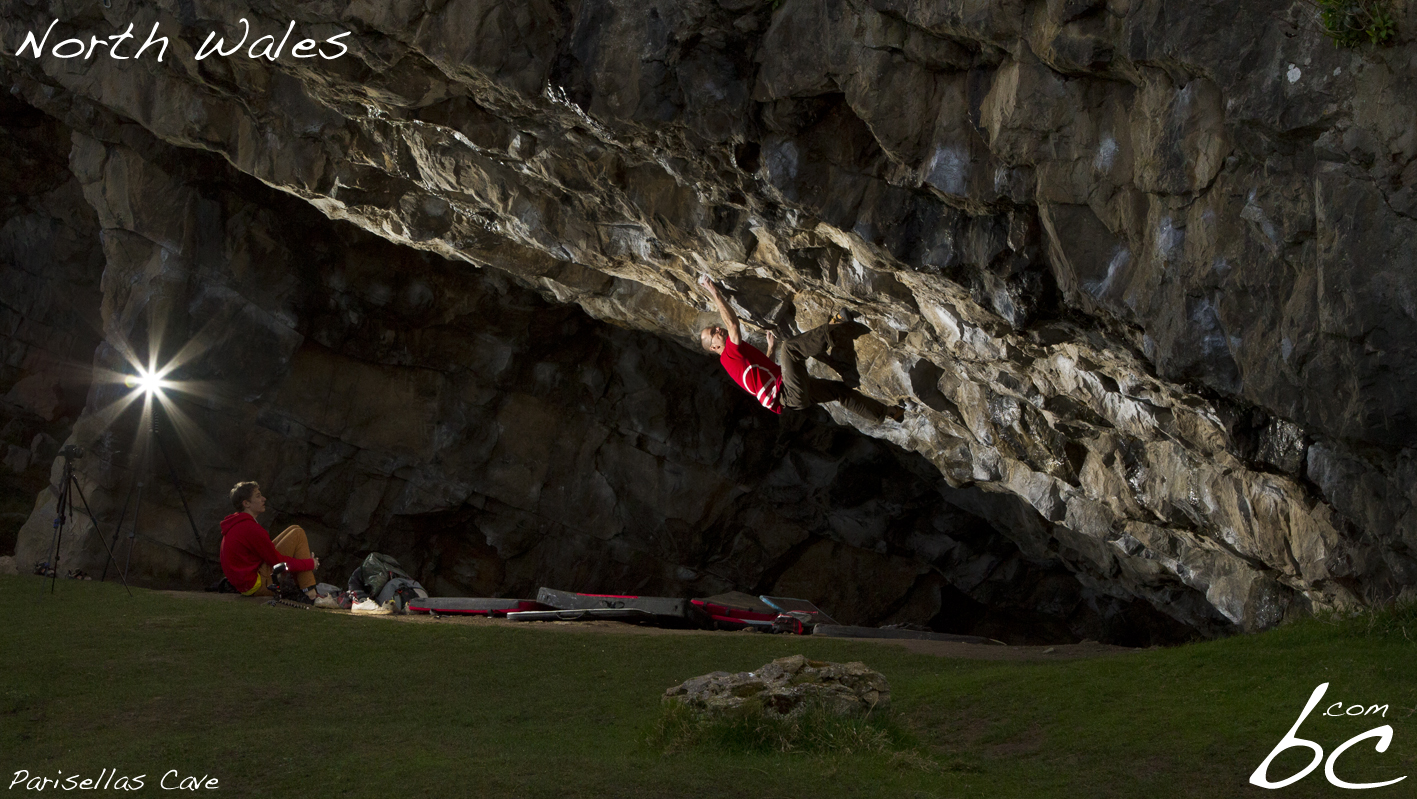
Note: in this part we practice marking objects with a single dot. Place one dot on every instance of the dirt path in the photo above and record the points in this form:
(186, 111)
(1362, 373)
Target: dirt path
(946, 649)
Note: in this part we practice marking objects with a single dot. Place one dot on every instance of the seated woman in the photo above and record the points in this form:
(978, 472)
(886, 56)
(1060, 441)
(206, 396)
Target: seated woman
(248, 554)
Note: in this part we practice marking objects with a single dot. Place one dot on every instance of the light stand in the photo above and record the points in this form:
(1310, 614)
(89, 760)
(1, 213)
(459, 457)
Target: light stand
(140, 476)
(64, 511)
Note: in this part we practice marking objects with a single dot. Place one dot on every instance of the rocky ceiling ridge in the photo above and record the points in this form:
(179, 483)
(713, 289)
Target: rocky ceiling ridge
(607, 153)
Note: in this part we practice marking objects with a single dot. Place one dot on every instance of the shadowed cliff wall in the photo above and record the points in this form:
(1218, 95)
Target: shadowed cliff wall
(391, 400)
(1143, 265)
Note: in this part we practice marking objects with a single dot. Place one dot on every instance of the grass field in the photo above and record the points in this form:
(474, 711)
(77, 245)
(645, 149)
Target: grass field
(284, 703)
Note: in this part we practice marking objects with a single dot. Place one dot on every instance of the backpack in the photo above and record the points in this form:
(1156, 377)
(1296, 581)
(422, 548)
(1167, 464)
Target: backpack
(379, 575)
(402, 589)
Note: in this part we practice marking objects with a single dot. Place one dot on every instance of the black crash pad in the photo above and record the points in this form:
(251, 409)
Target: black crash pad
(583, 614)
(471, 605)
(785, 604)
(570, 600)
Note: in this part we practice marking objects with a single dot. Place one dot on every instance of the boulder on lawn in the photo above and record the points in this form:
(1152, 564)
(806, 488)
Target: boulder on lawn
(785, 687)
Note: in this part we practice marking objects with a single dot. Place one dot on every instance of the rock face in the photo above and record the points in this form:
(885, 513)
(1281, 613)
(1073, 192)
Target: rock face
(1143, 269)
(787, 686)
(49, 302)
(391, 400)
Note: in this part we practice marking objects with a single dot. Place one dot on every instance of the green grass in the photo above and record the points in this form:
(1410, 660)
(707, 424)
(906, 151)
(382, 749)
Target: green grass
(752, 731)
(277, 702)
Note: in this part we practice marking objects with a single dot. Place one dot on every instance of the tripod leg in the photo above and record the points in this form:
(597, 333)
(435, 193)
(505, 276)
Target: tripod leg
(59, 521)
(74, 486)
(118, 530)
(133, 534)
(172, 473)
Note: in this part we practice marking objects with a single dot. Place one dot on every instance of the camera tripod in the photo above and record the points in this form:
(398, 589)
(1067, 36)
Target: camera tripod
(64, 512)
(139, 478)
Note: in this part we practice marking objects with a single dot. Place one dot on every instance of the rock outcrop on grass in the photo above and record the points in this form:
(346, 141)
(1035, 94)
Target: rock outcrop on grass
(787, 686)
(1141, 268)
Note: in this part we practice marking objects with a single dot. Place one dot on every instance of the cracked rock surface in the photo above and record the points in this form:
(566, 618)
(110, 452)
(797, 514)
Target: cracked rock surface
(789, 686)
(493, 442)
(1142, 269)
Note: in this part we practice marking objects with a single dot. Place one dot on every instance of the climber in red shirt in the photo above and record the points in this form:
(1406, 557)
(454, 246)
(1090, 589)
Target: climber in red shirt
(783, 382)
(248, 554)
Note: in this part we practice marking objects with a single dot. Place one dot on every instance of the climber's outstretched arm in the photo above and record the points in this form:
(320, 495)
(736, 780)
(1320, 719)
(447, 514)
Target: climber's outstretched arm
(730, 319)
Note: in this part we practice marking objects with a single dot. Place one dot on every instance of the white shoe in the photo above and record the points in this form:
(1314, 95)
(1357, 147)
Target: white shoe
(370, 607)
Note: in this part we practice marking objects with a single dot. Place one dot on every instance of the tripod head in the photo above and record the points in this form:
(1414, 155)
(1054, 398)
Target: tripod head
(70, 453)
(63, 507)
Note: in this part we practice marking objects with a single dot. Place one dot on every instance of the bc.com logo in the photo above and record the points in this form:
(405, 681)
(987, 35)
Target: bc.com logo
(1292, 740)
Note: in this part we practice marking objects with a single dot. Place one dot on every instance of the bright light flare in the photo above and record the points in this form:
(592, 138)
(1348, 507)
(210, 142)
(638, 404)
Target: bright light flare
(148, 383)
(151, 384)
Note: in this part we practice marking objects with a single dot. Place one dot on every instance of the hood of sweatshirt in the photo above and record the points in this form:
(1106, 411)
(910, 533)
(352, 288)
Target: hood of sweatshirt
(236, 520)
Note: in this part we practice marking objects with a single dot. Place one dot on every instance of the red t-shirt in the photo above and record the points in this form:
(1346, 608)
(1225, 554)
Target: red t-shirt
(246, 546)
(754, 371)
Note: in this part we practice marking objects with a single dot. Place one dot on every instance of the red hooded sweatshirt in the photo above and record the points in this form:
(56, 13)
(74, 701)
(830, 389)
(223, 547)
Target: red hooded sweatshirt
(246, 546)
